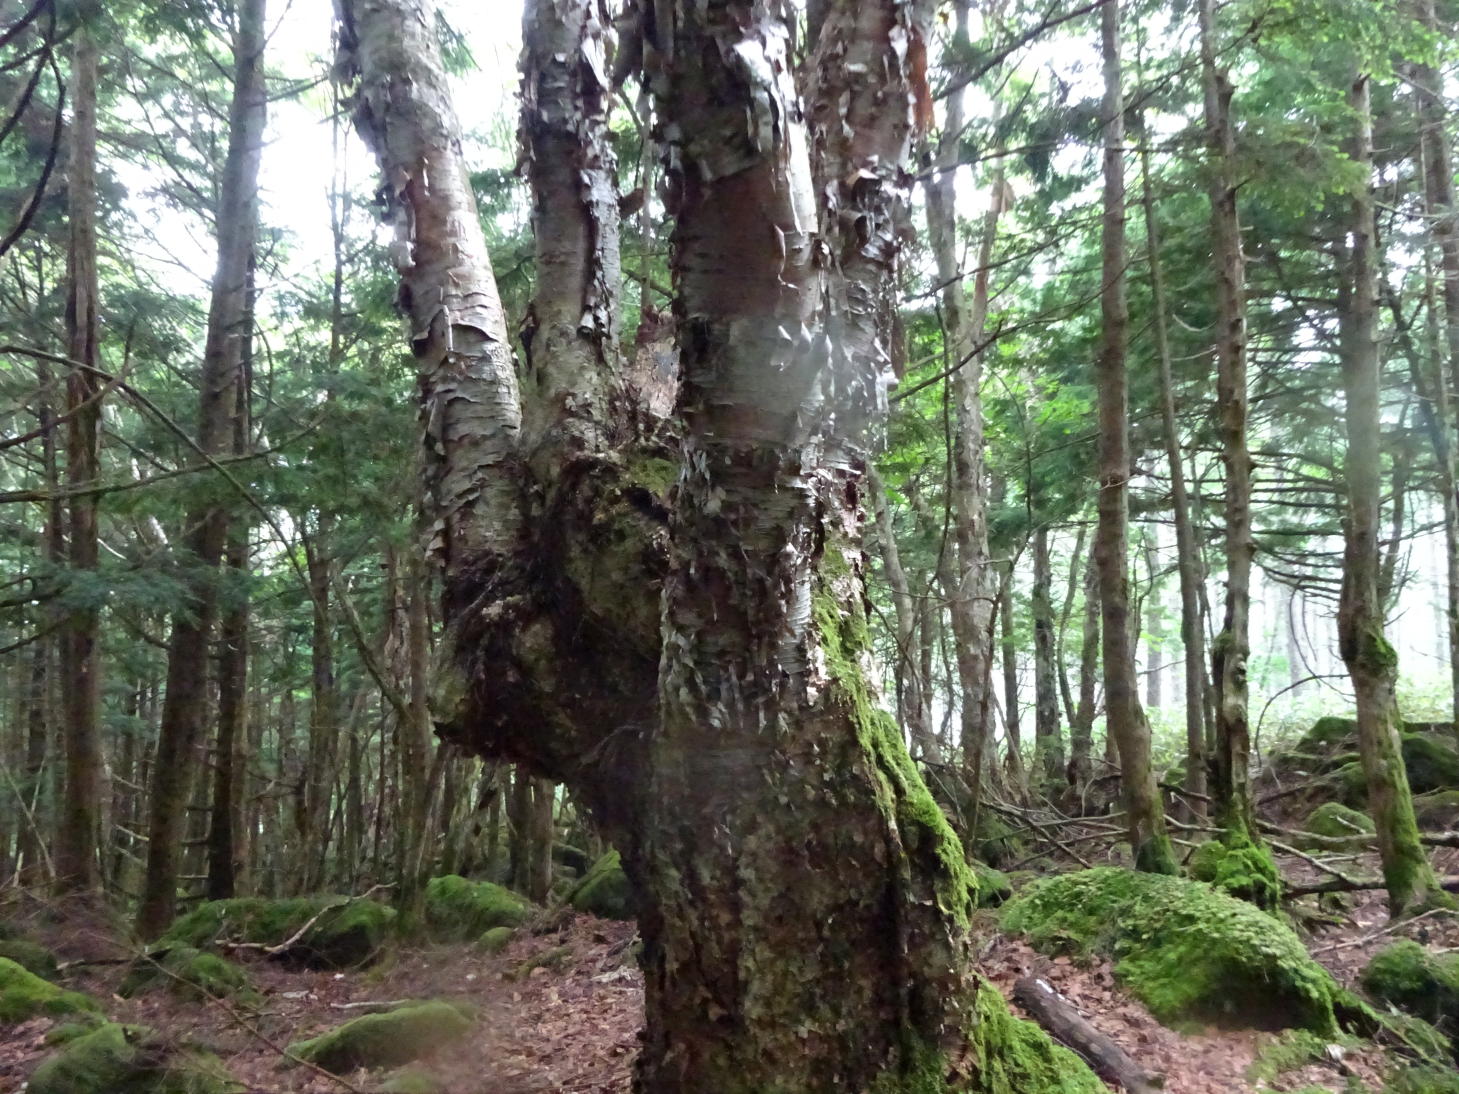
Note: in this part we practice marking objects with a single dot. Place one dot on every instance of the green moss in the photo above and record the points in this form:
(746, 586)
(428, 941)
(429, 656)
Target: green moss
(458, 910)
(28, 955)
(1240, 867)
(1327, 733)
(186, 972)
(1287, 1052)
(347, 931)
(994, 886)
(385, 1040)
(411, 1081)
(496, 939)
(1423, 1080)
(1438, 809)
(1015, 1057)
(1337, 821)
(1431, 764)
(114, 1059)
(994, 842)
(901, 793)
(1188, 951)
(1411, 978)
(604, 890)
(555, 958)
(24, 995)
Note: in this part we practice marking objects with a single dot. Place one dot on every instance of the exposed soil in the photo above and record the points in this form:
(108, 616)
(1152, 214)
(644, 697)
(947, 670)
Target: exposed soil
(574, 1028)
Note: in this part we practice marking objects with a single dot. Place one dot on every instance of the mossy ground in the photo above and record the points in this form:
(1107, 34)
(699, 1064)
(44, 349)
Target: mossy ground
(396, 1037)
(115, 1059)
(25, 995)
(30, 956)
(1189, 952)
(186, 972)
(458, 910)
(347, 932)
(604, 890)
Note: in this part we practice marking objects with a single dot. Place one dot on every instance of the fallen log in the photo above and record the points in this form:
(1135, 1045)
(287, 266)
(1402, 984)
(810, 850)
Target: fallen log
(1354, 885)
(1067, 1026)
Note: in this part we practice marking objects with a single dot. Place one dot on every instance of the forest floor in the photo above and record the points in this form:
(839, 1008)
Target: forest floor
(572, 1027)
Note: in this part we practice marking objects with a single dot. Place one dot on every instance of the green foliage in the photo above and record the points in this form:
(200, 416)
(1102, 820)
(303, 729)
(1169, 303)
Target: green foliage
(604, 890)
(25, 995)
(385, 1040)
(344, 931)
(186, 972)
(458, 910)
(1411, 978)
(1187, 951)
(130, 1060)
(1423, 1080)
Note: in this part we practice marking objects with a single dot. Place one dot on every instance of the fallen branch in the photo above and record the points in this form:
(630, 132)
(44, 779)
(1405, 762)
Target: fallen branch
(1388, 929)
(1057, 1015)
(1358, 885)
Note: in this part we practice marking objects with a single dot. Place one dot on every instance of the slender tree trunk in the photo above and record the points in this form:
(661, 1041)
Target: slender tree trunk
(1154, 629)
(1371, 662)
(1012, 727)
(519, 831)
(323, 762)
(1047, 735)
(971, 604)
(1443, 213)
(185, 704)
(1231, 776)
(1061, 661)
(225, 860)
(1081, 728)
(912, 707)
(540, 839)
(77, 859)
(1123, 713)
(1187, 553)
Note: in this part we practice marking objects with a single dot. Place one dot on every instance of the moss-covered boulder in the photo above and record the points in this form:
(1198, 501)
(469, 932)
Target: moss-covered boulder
(24, 995)
(1432, 765)
(1333, 820)
(571, 858)
(114, 1059)
(994, 886)
(29, 955)
(1241, 868)
(1413, 979)
(458, 910)
(396, 1037)
(1439, 809)
(411, 1081)
(605, 890)
(496, 939)
(185, 972)
(1188, 951)
(342, 933)
(1327, 734)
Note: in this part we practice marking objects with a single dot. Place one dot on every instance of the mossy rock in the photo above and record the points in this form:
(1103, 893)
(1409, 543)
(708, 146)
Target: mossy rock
(1337, 821)
(555, 958)
(24, 995)
(994, 886)
(30, 956)
(1411, 978)
(1432, 765)
(114, 1059)
(605, 890)
(1438, 809)
(1289, 1051)
(348, 931)
(994, 841)
(458, 910)
(411, 1081)
(571, 858)
(1188, 951)
(396, 1037)
(496, 939)
(186, 972)
(1243, 869)
(1326, 734)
